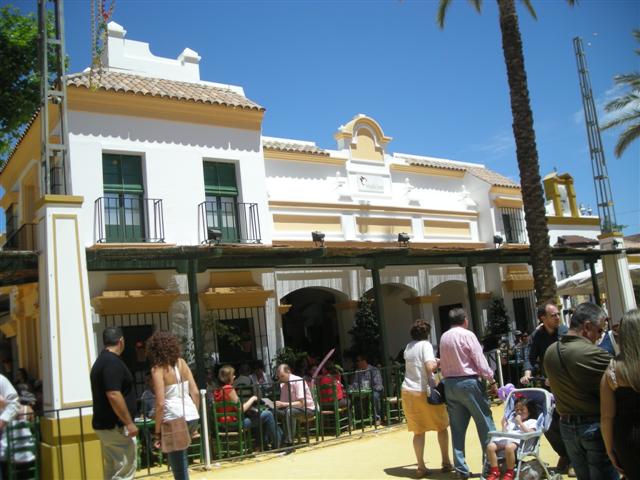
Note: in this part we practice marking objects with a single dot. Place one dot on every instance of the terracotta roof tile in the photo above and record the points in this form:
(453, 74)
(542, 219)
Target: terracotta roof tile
(292, 147)
(429, 162)
(482, 173)
(160, 87)
(492, 177)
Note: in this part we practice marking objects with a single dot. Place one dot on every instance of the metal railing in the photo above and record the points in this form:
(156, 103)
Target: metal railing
(368, 401)
(514, 226)
(128, 219)
(229, 222)
(25, 238)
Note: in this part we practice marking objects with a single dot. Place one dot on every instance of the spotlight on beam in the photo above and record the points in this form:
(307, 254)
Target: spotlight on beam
(214, 235)
(498, 240)
(318, 238)
(403, 239)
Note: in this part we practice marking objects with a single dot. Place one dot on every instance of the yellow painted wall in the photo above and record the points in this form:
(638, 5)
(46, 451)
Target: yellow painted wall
(365, 147)
(442, 228)
(383, 226)
(307, 223)
(69, 451)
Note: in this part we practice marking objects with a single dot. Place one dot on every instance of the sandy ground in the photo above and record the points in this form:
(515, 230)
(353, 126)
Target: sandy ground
(384, 453)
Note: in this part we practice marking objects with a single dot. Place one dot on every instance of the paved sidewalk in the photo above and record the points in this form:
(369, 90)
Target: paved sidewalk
(381, 454)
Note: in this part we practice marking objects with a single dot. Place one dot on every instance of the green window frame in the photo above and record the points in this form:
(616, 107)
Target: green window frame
(221, 192)
(123, 198)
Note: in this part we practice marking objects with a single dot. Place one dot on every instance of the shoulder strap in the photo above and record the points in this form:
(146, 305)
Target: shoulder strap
(181, 383)
(564, 366)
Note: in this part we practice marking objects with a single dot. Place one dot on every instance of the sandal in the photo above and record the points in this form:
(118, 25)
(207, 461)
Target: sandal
(446, 468)
(423, 472)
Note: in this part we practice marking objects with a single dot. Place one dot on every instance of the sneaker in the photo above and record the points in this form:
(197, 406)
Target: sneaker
(494, 474)
(571, 472)
(509, 474)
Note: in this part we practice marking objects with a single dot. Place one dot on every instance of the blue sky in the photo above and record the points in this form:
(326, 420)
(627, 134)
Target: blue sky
(315, 64)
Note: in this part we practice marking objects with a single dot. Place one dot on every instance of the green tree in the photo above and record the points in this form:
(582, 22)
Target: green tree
(525, 138)
(498, 322)
(19, 76)
(365, 334)
(626, 107)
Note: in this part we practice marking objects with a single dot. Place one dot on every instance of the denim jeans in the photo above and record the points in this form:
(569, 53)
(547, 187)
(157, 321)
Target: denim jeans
(586, 450)
(271, 433)
(466, 398)
(179, 464)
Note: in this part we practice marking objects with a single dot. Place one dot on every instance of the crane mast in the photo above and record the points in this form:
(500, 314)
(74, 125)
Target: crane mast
(606, 210)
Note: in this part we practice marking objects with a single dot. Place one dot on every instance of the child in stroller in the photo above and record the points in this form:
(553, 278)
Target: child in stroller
(523, 419)
(527, 415)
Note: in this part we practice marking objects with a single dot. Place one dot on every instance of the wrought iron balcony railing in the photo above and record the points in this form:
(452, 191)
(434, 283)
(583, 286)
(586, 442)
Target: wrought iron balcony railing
(128, 218)
(22, 239)
(229, 222)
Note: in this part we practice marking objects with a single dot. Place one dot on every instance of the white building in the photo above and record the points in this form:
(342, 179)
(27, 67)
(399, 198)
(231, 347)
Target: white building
(160, 160)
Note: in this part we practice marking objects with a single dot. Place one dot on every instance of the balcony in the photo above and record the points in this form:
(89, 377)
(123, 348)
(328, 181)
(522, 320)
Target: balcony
(22, 239)
(128, 218)
(514, 227)
(228, 222)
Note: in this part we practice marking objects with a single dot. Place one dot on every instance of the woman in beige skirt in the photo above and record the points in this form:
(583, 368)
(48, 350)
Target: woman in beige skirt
(421, 416)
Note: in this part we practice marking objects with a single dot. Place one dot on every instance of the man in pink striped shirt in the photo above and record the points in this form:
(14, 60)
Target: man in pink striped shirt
(463, 366)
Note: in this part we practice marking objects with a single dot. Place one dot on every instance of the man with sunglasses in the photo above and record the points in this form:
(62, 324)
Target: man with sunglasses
(574, 366)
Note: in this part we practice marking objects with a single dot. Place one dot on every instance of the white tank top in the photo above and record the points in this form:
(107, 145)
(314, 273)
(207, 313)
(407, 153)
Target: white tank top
(177, 401)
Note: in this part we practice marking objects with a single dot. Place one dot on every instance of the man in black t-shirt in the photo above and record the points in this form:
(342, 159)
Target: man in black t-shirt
(114, 407)
(548, 332)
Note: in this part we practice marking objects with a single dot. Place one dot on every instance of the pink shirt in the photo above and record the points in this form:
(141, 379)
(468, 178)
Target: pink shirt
(461, 355)
(300, 391)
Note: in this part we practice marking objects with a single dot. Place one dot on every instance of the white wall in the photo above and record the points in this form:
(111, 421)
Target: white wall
(172, 154)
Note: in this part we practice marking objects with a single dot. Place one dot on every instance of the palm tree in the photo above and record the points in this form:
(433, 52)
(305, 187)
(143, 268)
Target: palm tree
(627, 108)
(525, 138)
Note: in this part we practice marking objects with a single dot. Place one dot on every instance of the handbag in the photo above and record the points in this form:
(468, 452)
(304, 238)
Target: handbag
(435, 393)
(175, 435)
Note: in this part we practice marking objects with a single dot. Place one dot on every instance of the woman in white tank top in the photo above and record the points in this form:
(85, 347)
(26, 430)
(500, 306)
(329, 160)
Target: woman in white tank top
(176, 393)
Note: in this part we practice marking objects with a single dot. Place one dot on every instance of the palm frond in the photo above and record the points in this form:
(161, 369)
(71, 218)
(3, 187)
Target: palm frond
(624, 117)
(477, 4)
(527, 4)
(622, 102)
(442, 12)
(629, 135)
(631, 79)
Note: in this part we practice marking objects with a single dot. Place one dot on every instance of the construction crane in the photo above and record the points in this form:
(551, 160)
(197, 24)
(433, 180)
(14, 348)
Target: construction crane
(54, 149)
(606, 210)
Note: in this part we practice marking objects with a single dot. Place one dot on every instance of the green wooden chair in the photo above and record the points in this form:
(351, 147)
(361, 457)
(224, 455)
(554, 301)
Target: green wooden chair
(195, 452)
(333, 417)
(230, 438)
(23, 460)
(392, 401)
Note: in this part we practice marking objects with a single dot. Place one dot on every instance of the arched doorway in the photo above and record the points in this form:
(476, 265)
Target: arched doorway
(453, 294)
(397, 314)
(311, 324)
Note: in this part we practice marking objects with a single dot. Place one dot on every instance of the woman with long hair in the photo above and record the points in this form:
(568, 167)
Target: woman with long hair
(620, 400)
(420, 366)
(176, 393)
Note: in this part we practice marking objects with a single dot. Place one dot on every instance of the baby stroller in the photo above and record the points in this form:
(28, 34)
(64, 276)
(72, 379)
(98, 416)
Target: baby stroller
(529, 447)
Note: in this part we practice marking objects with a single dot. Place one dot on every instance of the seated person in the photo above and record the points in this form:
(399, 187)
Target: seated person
(260, 378)
(148, 398)
(368, 377)
(296, 400)
(271, 434)
(330, 375)
(523, 419)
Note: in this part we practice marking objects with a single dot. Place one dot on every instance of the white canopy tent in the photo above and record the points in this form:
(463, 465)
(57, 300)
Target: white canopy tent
(580, 283)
